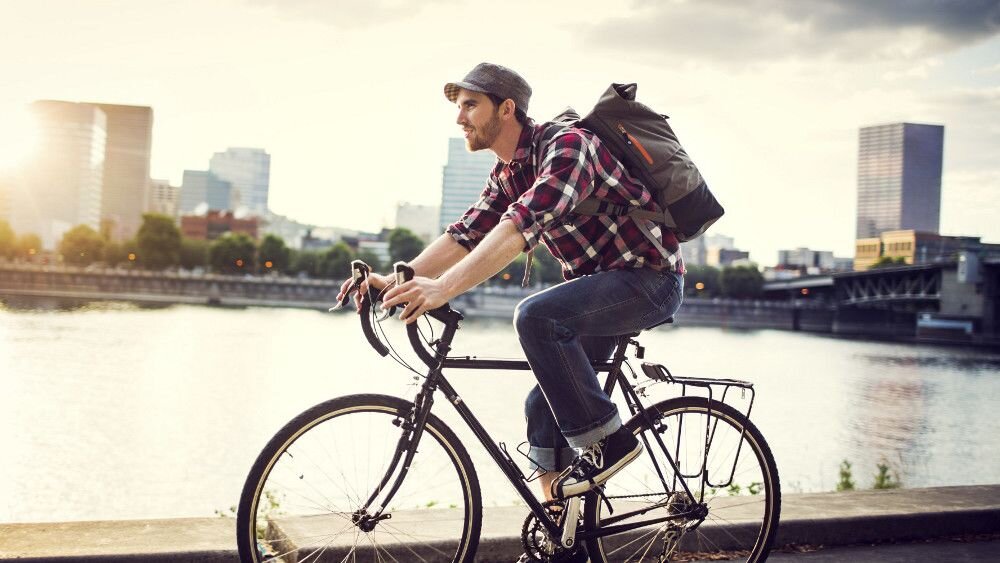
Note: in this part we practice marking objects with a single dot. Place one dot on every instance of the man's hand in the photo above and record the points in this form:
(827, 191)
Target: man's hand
(377, 281)
(420, 295)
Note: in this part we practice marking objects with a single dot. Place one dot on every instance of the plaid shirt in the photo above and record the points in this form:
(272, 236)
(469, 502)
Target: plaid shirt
(574, 166)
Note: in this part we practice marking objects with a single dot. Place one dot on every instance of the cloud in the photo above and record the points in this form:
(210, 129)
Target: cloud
(971, 98)
(750, 30)
(348, 13)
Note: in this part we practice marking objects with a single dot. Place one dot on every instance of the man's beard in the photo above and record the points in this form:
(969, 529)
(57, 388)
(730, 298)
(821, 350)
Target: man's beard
(485, 137)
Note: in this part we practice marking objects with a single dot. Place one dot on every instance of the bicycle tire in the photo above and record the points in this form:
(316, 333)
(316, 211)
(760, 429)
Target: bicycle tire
(743, 508)
(301, 492)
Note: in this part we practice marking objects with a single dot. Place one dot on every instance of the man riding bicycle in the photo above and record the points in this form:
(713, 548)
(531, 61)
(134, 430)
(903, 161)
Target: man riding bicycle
(618, 281)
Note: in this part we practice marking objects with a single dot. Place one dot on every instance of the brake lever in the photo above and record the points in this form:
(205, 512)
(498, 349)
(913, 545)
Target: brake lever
(359, 272)
(404, 273)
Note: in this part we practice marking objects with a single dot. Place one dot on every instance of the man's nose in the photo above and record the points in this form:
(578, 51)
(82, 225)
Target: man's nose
(460, 118)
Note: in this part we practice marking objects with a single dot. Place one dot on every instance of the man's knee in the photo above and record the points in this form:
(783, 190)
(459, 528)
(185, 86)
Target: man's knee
(533, 320)
(535, 405)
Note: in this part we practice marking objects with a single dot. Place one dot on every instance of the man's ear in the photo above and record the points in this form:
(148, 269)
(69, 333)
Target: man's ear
(508, 107)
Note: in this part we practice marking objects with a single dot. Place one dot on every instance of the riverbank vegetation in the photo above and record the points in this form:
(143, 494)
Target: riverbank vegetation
(159, 245)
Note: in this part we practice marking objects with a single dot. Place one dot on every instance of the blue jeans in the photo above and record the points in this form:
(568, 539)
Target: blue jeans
(565, 327)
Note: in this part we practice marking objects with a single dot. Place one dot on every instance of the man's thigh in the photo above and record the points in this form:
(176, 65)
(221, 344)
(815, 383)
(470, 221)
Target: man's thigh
(607, 303)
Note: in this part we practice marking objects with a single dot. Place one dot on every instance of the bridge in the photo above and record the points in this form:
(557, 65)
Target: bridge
(919, 284)
(941, 291)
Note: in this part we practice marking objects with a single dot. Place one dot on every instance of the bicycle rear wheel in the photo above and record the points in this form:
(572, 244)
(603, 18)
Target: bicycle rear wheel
(733, 508)
(302, 496)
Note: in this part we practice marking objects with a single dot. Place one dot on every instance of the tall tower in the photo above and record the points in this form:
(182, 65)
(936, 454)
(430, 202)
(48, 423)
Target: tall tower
(465, 177)
(60, 186)
(202, 187)
(249, 172)
(126, 167)
(899, 178)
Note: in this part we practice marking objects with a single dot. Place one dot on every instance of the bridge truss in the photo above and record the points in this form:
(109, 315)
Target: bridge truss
(890, 286)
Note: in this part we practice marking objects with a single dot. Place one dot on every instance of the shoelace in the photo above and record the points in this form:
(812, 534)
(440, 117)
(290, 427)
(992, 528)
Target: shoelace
(592, 454)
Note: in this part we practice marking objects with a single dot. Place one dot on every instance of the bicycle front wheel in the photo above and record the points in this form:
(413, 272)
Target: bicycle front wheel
(309, 488)
(729, 509)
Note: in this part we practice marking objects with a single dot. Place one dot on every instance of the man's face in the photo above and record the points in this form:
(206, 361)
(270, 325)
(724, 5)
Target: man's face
(479, 119)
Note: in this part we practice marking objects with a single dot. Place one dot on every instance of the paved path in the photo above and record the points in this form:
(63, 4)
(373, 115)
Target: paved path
(818, 519)
(952, 552)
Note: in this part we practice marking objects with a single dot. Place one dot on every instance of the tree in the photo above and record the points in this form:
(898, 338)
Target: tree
(28, 245)
(81, 246)
(370, 258)
(707, 276)
(307, 262)
(741, 282)
(273, 255)
(159, 242)
(888, 262)
(193, 253)
(233, 253)
(336, 262)
(546, 268)
(404, 245)
(116, 253)
(8, 241)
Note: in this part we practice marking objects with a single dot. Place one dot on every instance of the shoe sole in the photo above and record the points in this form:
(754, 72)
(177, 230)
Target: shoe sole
(581, 487)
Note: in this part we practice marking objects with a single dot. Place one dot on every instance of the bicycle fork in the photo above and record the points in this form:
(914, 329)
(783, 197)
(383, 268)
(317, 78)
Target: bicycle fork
(411, 431)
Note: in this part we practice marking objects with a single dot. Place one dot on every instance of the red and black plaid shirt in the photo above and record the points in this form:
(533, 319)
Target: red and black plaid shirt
(574, 166)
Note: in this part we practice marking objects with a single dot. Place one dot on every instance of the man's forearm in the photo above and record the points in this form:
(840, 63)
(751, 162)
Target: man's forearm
(435, 260)
(491, 255)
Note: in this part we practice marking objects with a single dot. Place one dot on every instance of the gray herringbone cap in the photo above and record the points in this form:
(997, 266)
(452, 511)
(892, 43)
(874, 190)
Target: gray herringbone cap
(488, 78)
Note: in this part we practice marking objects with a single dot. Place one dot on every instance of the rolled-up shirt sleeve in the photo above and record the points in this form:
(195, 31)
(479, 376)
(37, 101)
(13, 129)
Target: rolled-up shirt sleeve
(565, 177)
(481, 217)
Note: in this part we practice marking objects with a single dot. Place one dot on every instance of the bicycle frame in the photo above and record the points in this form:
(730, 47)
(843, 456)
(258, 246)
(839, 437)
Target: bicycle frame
(413, 426)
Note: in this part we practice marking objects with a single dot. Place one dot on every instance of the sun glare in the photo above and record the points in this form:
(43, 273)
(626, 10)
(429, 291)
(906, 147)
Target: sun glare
(18, 136)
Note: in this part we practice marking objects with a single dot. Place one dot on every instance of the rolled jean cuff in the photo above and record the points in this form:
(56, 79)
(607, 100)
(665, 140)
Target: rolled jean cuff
(596, 434)
(544, 459)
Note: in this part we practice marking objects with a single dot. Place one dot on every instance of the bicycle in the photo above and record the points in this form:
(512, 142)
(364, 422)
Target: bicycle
(343, 480)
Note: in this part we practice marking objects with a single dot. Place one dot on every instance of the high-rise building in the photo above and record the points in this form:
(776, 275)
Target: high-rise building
(248, 170)
(126, 167)
(202, 187)
(464, 179)
(162, 198)
(421, 219)
(899, 178)
(59, 187)
(805, 258)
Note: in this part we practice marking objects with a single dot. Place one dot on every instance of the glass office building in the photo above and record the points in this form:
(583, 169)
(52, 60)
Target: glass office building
(899, 178)
(202, 187)
(59, 187)
(248, 170)
(464, 179)
(126, 167)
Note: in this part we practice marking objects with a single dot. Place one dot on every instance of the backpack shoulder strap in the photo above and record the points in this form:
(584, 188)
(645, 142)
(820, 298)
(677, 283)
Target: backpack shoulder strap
(568, 118)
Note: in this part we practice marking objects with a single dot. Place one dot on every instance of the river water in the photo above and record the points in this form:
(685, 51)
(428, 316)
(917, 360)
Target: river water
(111, 411)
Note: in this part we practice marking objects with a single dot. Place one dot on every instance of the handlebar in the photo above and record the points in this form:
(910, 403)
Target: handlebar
(403, 273)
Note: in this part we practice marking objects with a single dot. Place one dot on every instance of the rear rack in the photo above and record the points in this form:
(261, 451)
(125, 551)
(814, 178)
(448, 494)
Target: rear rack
(660, 373)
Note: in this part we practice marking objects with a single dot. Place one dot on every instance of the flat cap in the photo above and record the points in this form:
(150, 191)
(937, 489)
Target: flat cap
(489, 78)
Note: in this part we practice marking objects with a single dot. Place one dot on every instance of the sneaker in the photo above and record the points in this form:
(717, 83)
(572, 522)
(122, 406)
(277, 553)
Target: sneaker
(596, 464)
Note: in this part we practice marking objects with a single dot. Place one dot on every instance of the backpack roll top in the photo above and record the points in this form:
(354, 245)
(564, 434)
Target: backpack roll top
(648, 148)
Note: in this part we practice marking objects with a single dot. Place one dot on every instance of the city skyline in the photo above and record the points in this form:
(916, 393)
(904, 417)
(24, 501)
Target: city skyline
(771, 119)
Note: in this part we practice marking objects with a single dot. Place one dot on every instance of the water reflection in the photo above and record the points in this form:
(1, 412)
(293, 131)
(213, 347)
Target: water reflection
(176, 402)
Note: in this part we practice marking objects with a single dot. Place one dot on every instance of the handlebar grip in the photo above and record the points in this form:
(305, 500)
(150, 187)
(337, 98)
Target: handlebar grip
(360, 271)
(404, 272)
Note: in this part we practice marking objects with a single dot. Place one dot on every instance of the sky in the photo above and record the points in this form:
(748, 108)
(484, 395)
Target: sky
(766, 95)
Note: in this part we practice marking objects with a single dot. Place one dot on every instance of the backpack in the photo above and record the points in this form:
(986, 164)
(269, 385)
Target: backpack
(648, 148)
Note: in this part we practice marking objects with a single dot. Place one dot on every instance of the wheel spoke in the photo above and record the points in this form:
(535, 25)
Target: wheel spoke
(303, 497)
(740, 518)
